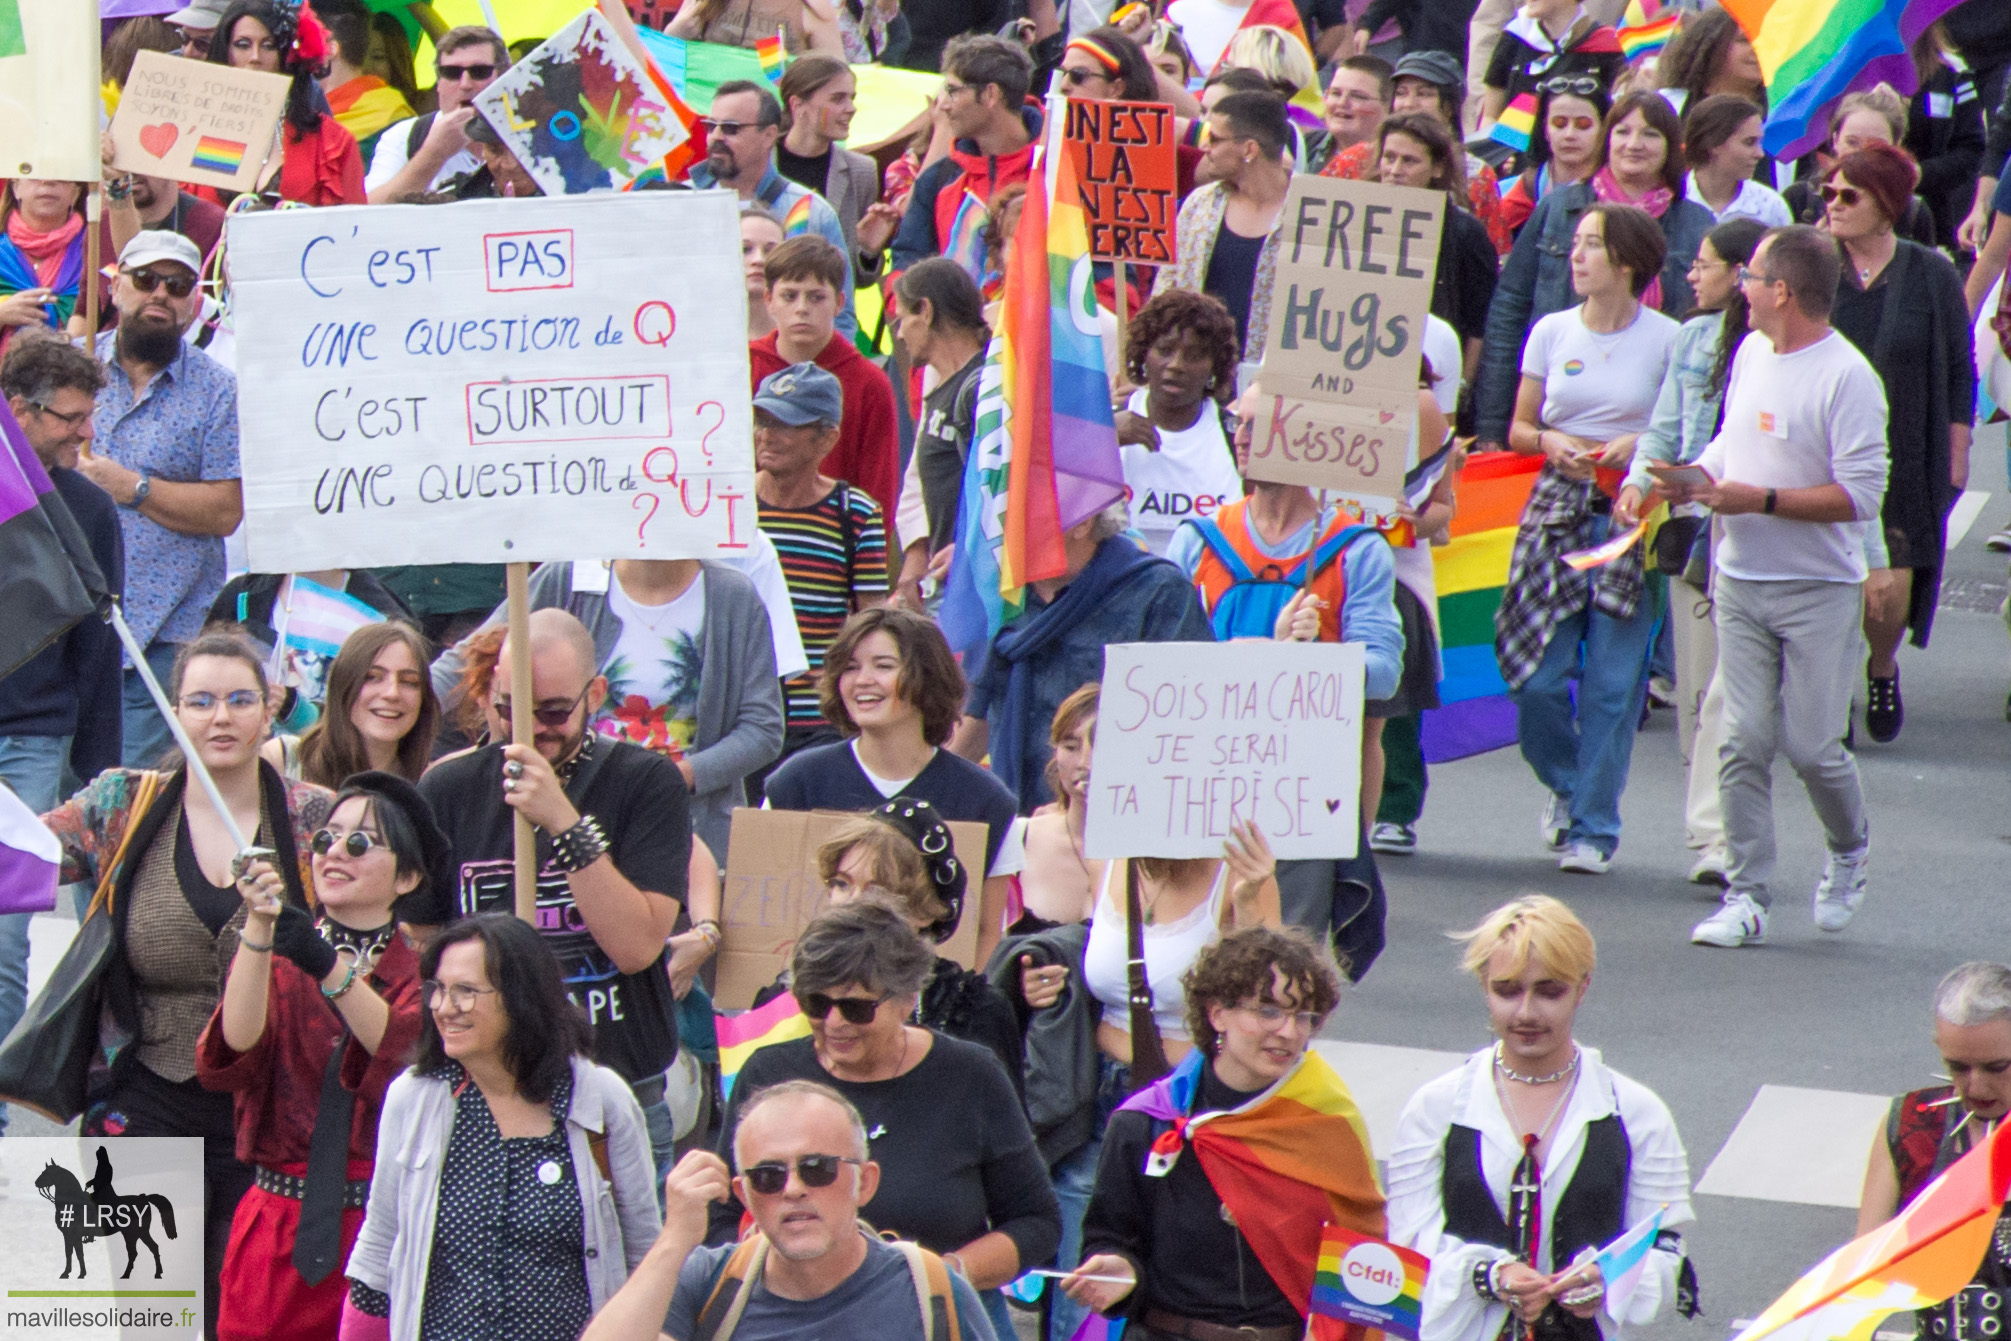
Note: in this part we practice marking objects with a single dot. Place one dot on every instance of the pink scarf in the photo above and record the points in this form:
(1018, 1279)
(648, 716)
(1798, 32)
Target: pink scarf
(45, 251)
(1656, 201)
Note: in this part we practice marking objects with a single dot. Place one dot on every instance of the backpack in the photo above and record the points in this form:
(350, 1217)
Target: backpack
(1250, 607)
(728, 1300)
(416, 136)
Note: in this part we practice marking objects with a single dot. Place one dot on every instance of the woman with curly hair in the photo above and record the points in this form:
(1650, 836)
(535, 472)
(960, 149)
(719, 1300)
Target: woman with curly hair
(1711, 54)
(319, 161)
(1181, 352)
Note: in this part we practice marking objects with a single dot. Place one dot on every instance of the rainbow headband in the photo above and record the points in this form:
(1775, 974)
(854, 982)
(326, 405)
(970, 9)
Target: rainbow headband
(1096, 53)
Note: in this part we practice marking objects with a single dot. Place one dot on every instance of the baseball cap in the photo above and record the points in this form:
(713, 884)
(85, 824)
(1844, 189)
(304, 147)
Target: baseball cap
(158, 244)
(800, 394)
(200, 15)
(1434, 67)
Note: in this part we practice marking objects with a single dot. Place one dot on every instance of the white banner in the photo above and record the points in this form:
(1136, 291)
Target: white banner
(493, 381)
(1191, 737)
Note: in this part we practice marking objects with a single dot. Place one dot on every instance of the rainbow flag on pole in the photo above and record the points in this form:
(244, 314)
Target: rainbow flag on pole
(1815, 51)
(1516, 124)
(1307, 109)
(1045, 454)
(1365, 1280)
(773, 56)
(742, 1035)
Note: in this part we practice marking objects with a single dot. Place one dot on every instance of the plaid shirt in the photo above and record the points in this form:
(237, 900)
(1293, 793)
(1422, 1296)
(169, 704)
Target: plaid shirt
(1542, 589)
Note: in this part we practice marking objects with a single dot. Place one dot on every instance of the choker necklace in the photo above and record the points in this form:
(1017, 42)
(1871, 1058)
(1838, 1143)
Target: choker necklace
(570, 767)
(1562, 1073)
(367, 946)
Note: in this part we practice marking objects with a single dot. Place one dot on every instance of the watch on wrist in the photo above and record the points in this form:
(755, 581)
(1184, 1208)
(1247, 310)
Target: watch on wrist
(1773, 497)
(140, 492)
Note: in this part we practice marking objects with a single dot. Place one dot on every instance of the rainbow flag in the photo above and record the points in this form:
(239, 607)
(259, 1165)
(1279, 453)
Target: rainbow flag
(1290, 1165)
(215, 154)
(1045, 454)
(1307, 108)
(655, 52)
(1365, 1280)
(742, 1035)
(1812, 52)
(1516, 123)
(797, 220)
(772, 54)
(1647, 39)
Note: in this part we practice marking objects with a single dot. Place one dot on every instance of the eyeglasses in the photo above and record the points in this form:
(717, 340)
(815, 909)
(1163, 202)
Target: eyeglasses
(1847, 196)
(237, 700)
(1748, 275)
(1271, 1016)
(951, 88)
(198, 47)
(478, 73)
(460, 995)
(728, 128)
(1581, 86)
(146, 281)
(547, 713)
(70, 421)
(815, 1170)
(355, 843)
(842, 886)
(1070, 78)
(854, 1009)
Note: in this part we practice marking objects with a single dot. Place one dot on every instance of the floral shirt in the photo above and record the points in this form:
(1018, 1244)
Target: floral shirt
(1194, 243)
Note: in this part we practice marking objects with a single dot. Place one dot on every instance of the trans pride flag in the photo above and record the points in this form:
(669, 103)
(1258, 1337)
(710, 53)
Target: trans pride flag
(1045, 454)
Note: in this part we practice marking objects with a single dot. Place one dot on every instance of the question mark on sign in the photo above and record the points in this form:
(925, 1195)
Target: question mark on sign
(705, 442)
(646, 520)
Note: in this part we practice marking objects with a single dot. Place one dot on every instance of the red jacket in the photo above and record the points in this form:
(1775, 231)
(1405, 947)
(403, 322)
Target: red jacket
(937, 222)
(868, 454)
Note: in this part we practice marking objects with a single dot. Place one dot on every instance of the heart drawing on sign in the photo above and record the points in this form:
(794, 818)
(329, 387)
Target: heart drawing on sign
(1386, 415)
(1333, 806)
(157, 140)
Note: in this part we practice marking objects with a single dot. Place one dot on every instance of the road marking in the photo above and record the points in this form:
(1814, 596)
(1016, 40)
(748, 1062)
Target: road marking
(1382, 1079)
(1798, 1145)
(1964, 514)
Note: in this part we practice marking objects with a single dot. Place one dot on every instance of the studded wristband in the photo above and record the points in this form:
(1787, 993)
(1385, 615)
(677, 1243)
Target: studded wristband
(1483, 1282)
(580, 846)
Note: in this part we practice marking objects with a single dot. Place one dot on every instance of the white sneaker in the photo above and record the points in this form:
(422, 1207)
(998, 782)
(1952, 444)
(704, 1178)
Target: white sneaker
(1739, 922)
(1396, 839)
(1841, 889)
(1999, 542)
(1556, 822)
(1709, 870)
(1585, 859)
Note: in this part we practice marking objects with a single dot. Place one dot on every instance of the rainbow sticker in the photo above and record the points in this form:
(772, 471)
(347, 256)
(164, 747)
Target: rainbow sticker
(1365, 1280)
(1572, 367)
(218, 155)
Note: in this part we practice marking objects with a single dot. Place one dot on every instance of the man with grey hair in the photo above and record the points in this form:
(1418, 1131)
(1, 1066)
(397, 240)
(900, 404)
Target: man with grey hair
(813, 1268)
(1928, 1130)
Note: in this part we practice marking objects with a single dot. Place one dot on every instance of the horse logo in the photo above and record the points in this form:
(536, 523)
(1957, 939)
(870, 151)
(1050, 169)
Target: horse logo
(100, 1212)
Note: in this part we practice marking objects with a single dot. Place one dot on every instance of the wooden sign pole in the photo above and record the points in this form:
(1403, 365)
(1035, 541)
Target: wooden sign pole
(522, 732)
(93, 212)
(1123, 315)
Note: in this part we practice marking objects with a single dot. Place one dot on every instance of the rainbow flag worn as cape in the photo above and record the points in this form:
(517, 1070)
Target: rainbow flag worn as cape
(1915, 1260)
(1812, 52)
(1045, 449)
(1287, 1163)
(1307, 108)
(742, 1035)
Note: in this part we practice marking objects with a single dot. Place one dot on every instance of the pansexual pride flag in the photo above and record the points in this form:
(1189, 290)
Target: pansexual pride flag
(1516, 124)
(1365, 1280)
(215, 154)
(742, 1035)
(1045, 454)
(1815, 51)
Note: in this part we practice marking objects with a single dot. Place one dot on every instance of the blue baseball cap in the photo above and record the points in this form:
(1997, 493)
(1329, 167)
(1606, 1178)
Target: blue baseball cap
(800, 394)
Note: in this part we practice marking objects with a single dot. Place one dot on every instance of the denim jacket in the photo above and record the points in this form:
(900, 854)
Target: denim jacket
(1536, 281)
(1686, 414)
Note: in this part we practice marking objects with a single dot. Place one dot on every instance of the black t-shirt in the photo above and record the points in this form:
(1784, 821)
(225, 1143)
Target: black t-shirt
(643, 807)
(1517, 67)
(1232, 275)
(1468, 269)
(811, 172)
(942, 447)
(828, 777)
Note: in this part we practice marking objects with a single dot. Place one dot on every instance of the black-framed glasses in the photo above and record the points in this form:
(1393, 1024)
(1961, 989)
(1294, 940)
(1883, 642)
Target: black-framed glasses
(548, 713)
(461, 996)
(951, 88)
(237, 700)
(1579, 86)
(770, 1177)
(355, 843)
(1847, 196)
(453, 73)
(70, 421)
(146, 281)
(853, 1009)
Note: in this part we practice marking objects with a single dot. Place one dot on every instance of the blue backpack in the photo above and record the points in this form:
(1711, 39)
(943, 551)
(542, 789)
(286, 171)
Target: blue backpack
(1255, 597)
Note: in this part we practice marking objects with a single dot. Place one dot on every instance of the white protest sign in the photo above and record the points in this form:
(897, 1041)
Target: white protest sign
(1191, 737)
(493, 381)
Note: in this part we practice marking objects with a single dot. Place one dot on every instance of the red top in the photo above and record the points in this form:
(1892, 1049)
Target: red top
(868, 454)
(322, 168)
(278, 1081)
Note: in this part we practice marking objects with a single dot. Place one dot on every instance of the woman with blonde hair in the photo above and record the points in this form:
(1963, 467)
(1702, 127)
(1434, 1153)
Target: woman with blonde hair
(1059, 883)
(1273, 53)
(1537, 1123)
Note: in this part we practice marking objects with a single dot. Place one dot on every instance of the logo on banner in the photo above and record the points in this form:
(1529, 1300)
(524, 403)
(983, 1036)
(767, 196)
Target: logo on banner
(1365, 1280)
(86, 1211)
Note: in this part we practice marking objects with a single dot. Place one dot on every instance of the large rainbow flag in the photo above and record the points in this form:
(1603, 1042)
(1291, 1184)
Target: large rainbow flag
(1815, 51)
(1286, 1164)
(1045, 454)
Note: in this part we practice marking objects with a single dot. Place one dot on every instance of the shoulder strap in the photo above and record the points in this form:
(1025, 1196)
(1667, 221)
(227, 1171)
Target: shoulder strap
(1331, 548)
(1217, 541)
(848, 527)
(934, 1295)
(773, 191)
(142, 799)
(421, 126)
(728, 1300)
(1148, 1053)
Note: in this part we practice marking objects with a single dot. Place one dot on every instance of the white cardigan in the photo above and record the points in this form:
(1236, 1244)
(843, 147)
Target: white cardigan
(1660, 1173)
(394, 1248)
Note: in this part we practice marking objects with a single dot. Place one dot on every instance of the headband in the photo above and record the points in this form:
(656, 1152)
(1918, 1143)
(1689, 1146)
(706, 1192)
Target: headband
(1109, 62)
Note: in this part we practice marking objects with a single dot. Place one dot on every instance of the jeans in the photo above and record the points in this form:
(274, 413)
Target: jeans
(33, 767)
(662, 1142)
(147, 734)
(1074, 1178)
(1584, 760)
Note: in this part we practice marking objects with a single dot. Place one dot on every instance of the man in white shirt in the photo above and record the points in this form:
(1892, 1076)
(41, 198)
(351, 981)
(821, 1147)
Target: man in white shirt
(1798, 466)
(426, 152)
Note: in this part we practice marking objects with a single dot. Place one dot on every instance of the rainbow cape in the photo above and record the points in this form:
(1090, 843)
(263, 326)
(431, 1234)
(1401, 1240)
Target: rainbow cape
(17, 272)
(1812, 52)
(1307, 109)
(1289, 1162)
(1045, 450)
(742, 1035)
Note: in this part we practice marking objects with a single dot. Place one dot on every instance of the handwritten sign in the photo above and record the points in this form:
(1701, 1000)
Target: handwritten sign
(1192, 737)
(1338, 390)
(493, 381)
(191, 121)
(772, 891)
(1128, 165)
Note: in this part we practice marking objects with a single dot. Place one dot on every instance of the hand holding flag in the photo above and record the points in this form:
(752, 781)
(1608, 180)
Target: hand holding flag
(1619, 1265)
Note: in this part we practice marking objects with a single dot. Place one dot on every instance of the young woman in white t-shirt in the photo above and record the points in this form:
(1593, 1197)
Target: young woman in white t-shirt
(1181, 352)
(1590, 375)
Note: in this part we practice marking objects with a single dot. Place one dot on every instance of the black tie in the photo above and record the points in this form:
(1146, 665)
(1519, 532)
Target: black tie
(318, 1242)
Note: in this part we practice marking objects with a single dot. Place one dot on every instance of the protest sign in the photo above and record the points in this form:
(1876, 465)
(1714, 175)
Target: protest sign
(191, 121)
(1126, 164)
(49, 108)
(493, 381)
(1191, 737)
(1338, 391)
(580, 112)
(772, 891)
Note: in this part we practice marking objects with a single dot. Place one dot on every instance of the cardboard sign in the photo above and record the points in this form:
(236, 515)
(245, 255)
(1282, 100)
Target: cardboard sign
(49, 107)
(1192, 737)
(580, 112)
(190, 121)
(1338, 391)
(493, 381)
(772, 891)
(1128, 167)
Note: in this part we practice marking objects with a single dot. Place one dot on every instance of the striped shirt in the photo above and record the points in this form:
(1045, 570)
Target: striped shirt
(825, 582)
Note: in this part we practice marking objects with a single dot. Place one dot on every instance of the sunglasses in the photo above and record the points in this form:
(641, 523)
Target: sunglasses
(355, 843)
(478, 73)
(546, 713)
(146, 281)
(1582, 86)
(1070, 78)
(854, 1009)
(237, 700)
(1844, 195)
(815, 1170)
(727, 128)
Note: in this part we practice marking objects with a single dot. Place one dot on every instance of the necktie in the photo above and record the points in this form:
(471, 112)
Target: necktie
(319, 1240)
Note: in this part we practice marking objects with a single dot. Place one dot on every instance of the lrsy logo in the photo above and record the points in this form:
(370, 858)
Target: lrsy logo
(96, 1210)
